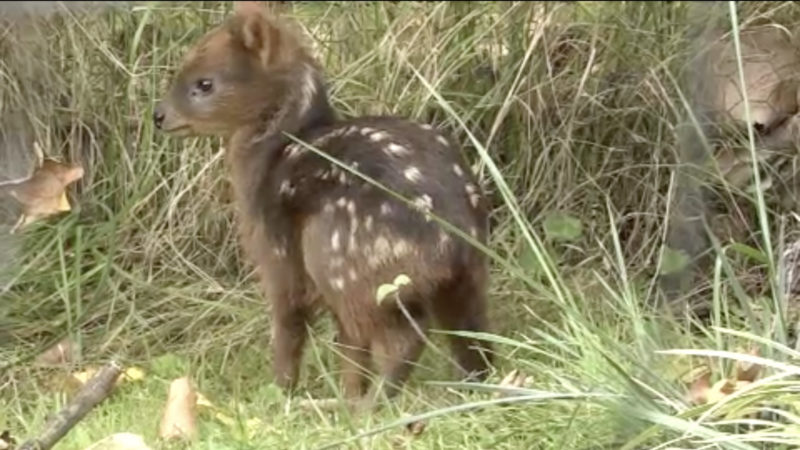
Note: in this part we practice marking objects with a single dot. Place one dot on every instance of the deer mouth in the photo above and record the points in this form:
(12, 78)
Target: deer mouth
(179, 131)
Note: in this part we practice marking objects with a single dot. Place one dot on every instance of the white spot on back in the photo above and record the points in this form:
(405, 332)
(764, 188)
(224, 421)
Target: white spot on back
(473, 232)
(335, 244)
(337, 283)
(412, 174)
(379, 136)
(424, 203)
(381, 248)
(366, 131)
(353, 275)
(442, 140)
(425, 126)
(386, 208)
(368, 223)
(396, 149)
(286, 188)
(444, 238)
(342, 202)
(401, 248)
(472, 192)
(328, 208)
(293, 151)
(353, 229)
(457, 170)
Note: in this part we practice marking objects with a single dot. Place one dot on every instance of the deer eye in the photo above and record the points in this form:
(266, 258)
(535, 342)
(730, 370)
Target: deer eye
(204, 85)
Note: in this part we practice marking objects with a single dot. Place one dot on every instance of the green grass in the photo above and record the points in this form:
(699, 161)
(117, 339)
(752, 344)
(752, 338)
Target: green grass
(575, 118)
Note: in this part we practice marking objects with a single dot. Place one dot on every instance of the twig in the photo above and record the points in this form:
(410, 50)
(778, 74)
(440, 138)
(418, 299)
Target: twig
(93, 392)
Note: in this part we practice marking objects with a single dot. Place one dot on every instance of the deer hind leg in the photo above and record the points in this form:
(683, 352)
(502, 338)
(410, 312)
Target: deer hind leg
(355, 362)
(397, 348)
(289, 334)
(461, 306)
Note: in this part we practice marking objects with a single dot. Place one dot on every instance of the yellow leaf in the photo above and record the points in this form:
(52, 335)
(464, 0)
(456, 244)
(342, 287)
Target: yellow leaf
(85, 376)
(720, 390)
(203, 401)
(384, 290)
(225, 419)
(134, 374)
(402, 280)
(63, 203)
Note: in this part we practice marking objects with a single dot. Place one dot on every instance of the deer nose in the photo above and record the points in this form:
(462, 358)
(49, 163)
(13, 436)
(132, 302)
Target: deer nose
(158, 116)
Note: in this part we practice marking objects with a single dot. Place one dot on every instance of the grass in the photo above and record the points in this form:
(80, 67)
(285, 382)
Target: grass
(568, 111)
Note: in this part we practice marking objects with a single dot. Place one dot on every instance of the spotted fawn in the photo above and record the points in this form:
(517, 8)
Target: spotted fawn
(321, 236)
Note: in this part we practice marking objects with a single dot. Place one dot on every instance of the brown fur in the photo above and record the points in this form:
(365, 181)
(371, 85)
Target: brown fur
(319, 235)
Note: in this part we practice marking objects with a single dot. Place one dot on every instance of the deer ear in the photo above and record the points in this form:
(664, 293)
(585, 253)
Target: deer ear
(254, 31)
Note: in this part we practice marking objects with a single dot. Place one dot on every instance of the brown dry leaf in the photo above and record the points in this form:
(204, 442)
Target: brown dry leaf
(748, 371)
(178, 420)
(43, 194)
(120, 441)
(769, 61)
(58, 354)
(720, 390)
(698, 391)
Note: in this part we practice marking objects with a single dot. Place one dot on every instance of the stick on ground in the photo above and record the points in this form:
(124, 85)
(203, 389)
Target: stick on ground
(93, 392)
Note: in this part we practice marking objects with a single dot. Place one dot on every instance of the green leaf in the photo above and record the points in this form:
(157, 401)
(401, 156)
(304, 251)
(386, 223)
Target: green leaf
(384, 290)
(402, 280)
(750, 252)
(562, 227)
(673, 261)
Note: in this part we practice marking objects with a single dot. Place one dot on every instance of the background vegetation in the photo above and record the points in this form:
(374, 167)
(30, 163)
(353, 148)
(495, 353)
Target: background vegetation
(567, 110)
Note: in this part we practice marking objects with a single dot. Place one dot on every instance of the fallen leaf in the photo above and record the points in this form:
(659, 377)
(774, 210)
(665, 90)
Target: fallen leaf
(85, 375)
(203, 401)
(748, 371)
(120, 441)
(178, 420)
(130, 374)
(43, 194)
(720, 390)
(133, 374)
(698, 391)
(58, 354)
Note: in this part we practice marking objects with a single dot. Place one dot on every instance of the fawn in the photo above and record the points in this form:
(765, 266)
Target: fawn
(319, 235)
